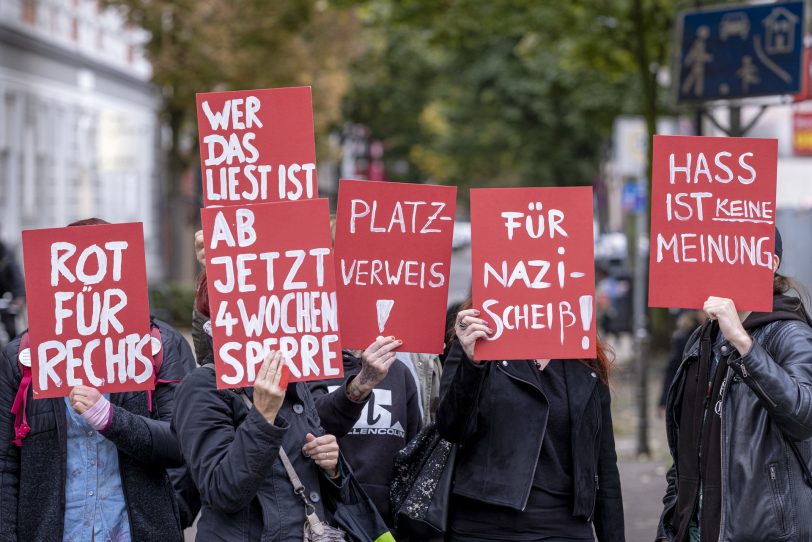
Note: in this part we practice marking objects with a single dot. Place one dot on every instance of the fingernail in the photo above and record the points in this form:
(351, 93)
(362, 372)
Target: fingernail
(400, 342)
(476, 311)
(490, 331)
(391, 337)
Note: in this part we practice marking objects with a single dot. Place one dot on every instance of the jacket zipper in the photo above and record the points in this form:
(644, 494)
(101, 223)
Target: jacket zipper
(745, 374)
(722, 453)
(543, 432)
(778, 500)
(771, 334)
(595, 465)
(763, 393)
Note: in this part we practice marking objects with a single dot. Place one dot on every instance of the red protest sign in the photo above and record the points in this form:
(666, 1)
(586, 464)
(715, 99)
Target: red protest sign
(271, 287)
(257, 146)
(802, 133)
(532, 252)
(393, 254)
(712, 221)
(88, 310)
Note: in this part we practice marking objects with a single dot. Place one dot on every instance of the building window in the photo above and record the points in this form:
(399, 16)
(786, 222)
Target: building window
(29, 12)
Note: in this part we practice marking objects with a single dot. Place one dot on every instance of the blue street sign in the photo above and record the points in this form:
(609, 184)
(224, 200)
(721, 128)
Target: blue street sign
(740, 52)
(632, 198)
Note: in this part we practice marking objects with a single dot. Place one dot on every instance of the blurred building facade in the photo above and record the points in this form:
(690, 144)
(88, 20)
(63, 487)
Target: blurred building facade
(79, 126)
(793, 193)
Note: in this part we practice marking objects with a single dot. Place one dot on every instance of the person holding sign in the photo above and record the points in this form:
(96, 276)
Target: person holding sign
(537, 460)
(388, 422)
(90, 466)
(232, 441)
(739, 424)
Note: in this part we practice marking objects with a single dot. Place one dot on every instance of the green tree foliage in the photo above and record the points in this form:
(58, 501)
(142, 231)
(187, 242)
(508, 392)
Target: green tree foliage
(209, 45)
(506, 92)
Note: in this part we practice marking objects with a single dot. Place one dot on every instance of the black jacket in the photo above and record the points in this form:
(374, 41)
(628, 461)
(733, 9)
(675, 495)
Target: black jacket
(389, 421)
(11, 279)
(765, 406)
(233, 456)
(678, 342)
(32, 477)
(497, 413)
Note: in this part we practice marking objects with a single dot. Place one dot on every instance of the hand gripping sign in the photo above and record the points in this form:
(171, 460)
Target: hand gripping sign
(533, 272)
(393, 253)
(712, 221)
(88, 309)
(271, 287)
(257, 146)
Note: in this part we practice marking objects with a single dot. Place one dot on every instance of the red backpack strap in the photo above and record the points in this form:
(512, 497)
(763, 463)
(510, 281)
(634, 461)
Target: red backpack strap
(18, 408)
(158, 358)
(157, 361)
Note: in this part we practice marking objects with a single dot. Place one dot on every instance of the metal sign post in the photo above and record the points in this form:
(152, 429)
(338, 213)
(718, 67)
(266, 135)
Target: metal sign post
(641, 335)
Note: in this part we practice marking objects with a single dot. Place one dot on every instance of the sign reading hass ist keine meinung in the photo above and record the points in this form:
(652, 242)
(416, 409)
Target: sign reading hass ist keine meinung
(712, 221)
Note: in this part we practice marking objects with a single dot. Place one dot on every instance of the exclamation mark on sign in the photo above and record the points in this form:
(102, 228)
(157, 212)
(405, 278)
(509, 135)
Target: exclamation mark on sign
(384, 307)
(585, 302)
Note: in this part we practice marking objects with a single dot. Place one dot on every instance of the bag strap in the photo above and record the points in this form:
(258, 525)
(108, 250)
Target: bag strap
(804, 467)
(312, 519)
(18, 408)
(298, 486)
(157, 360)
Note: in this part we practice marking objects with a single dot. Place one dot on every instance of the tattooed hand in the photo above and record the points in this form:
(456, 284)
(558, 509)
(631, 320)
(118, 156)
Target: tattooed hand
(375, 363)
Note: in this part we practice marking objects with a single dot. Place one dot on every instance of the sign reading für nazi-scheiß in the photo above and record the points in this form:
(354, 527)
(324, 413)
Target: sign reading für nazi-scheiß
(532, 252)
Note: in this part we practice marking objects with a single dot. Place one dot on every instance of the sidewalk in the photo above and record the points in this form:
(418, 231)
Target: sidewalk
(642, 480)
(643, 485)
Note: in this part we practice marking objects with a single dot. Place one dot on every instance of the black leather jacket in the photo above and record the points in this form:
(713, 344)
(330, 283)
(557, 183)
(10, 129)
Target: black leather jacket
(495, 411)
(766, 409)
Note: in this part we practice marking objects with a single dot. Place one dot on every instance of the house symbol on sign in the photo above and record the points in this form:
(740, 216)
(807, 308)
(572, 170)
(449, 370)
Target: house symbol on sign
(779, 28)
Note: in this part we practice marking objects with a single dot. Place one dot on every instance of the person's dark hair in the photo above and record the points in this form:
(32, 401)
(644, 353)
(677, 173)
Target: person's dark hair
(783, 285)
(603, 362)
(89, 222)
(202, 296)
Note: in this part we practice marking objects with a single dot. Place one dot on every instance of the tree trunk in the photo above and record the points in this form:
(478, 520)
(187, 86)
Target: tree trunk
(179, 242)
(648, 83)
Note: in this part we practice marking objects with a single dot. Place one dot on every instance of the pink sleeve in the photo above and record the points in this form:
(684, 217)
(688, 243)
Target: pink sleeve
(99, 415)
